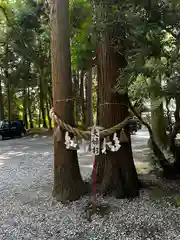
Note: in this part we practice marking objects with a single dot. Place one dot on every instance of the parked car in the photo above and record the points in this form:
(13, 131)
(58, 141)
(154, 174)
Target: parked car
(9, 129)
(134, 125)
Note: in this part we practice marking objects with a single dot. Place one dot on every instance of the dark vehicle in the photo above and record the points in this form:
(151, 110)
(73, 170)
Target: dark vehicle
(134, 125)
(9, 129)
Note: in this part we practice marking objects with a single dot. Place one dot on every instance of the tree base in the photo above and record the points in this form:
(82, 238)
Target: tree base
(116, 176)
(71, 194)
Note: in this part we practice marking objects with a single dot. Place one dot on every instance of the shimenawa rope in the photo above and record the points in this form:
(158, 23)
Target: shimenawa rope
(87, 134)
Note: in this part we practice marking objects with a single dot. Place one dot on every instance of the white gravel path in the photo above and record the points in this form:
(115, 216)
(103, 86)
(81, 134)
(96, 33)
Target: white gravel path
(27, 210)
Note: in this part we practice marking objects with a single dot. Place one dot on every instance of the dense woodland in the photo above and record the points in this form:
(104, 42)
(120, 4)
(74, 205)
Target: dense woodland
(109, 58)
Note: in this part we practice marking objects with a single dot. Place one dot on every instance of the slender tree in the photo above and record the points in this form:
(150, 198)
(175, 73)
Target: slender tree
(68, 184)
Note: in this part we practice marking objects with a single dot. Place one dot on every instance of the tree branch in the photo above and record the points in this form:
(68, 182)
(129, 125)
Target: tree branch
(5, 14)
(157, 152)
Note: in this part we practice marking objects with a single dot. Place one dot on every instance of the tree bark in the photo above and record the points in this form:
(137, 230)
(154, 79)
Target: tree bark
(177, 111)
(157, 116)
(159, 126)
(89, 109)
(39, 118)
(8, 86)
(25, 116)
(68, 183)
(76, 90)
(49, 118)
(1, 103)
(169, 120)
(157, 151)
(82, 97)
(97, 94)
(29, 110)
(173, 147)
(41, 98)
(116, 170)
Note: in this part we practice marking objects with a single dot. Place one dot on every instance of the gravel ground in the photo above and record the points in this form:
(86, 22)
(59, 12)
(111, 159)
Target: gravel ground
(27, 210)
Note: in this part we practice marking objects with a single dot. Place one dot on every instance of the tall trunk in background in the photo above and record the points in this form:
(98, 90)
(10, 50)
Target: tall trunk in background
(89, 109)
(76, 90)
(177, 111)
(41, 98)
(159, 125)
(48, 110)
(29, 109)
(68, 183)
(82, 97)
(1, 103)
(116, 171)
(173, 146)
(157, 116)
(9, 97)
(8, 84)
(50, 95)
(169, 120)
(25, 108)
(97, 93)
(39, 119)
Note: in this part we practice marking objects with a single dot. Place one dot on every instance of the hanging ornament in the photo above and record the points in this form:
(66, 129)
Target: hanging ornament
(104, 149)
(113, 149)
(95, 140)
(116, 142)
(117, 147)
(73, 145)
(115, 137)
(70, 143)
(112, 146)
(67, 140)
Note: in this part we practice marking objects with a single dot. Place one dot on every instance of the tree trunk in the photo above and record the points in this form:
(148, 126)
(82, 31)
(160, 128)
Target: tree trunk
(41, 98)
(29, 110)
(173, 147)
(50, 94)
(157, 117)
(159, 126)
(76, 90)
(82, 97)
(89, 109)
(49, 118)
(25, 117)
(157, 151)
(1, 103)
(68, 183)
(169, 120)
(117, 171)
(97, 94)
(177, 111)
(39, 119)
(8, 85)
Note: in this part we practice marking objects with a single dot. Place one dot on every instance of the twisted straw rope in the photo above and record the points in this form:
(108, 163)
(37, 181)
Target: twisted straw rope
(86, 134)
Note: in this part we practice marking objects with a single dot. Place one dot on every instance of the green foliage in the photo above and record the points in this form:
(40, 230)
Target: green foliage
(146, 32)
(24, 49)
(82, 43)
(151, 48)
